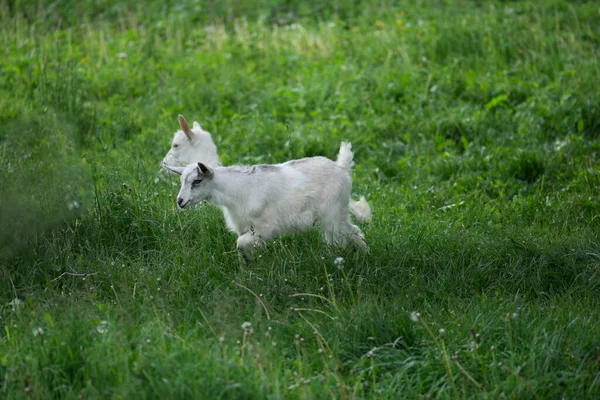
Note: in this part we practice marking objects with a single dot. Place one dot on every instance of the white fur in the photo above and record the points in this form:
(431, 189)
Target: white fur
(261, 202)
(201, 148)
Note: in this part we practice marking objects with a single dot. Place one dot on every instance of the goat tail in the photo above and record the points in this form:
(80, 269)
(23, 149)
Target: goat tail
(344, 159)
(361, 209)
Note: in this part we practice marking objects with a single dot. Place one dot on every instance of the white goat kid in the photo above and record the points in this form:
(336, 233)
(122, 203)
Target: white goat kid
(261, 202)
(192, 146)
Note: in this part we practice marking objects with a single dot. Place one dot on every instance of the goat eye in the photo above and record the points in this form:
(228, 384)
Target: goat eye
(196, 182)
(175, 146)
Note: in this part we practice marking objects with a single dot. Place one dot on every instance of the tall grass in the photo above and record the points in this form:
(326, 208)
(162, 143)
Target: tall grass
(475, 127)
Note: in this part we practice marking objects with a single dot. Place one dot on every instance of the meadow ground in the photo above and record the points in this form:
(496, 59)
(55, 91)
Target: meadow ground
(476, 130)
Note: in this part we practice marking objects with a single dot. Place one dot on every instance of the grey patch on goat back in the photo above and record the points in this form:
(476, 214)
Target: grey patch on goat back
(296, 162)
(305, 160)
(252, 169)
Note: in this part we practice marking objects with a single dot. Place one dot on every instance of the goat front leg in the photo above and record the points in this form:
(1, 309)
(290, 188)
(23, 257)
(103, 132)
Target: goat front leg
(246, 244)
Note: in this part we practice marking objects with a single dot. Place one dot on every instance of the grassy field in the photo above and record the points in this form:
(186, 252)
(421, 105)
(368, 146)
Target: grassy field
(476, 130)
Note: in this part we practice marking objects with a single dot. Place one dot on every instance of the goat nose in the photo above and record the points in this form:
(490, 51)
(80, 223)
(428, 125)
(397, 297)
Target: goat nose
(180, 201)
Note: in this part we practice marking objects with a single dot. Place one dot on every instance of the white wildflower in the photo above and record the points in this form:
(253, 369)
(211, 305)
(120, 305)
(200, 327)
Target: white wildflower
(102, 327)
(16, 304)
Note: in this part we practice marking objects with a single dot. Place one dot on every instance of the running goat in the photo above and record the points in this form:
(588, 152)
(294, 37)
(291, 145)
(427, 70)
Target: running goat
(261, 202)
(196, 145)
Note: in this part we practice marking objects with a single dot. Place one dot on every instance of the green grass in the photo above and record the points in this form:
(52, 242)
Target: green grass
(476, 130)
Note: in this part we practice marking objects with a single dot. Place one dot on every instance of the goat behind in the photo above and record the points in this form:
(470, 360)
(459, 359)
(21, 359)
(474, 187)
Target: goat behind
(191, 145)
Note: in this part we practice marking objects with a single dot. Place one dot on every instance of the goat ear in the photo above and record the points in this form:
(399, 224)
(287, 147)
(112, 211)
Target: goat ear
(197, 125)
(185, 127)
(177, 170)
(204, 169)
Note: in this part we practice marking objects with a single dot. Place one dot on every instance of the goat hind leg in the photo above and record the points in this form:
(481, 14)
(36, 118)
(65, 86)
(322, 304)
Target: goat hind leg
(349, 233)
(357, 237)
(246, 244)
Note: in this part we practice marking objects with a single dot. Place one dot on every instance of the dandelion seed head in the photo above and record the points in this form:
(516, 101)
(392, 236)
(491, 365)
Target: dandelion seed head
(415, 316)
(246, 326)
